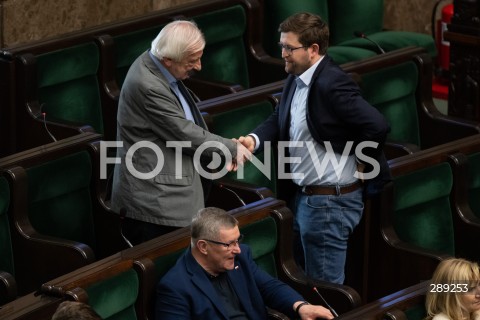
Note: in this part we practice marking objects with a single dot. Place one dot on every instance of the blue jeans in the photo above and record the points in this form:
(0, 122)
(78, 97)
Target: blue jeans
(324, 223)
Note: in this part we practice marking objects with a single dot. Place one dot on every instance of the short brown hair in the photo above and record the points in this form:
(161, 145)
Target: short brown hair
(310, 29)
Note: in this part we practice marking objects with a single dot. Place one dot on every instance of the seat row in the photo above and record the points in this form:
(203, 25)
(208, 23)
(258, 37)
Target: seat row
(68, 170)
(122, 286)
(75, 78)
(349, 23)
(397, 83)
(426, 214)
(54, 213)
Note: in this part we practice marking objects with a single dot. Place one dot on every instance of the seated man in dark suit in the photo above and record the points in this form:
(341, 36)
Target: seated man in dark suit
(218, 279)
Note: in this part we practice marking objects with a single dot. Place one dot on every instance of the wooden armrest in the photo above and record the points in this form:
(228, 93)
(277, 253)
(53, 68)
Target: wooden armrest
(206, 89)
(229, 194)
(394, 149)
(8, 287)
(341, 298)
(51, 256)
(395, 314)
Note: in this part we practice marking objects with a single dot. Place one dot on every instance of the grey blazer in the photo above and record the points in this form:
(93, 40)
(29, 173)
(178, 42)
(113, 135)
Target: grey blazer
(149, 111)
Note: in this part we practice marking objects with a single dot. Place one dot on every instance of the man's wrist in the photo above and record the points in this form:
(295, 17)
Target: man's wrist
(256, 141)
(297, 308)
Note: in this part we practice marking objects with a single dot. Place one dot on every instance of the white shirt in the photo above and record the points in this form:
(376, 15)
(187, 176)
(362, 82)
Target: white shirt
(311, 163)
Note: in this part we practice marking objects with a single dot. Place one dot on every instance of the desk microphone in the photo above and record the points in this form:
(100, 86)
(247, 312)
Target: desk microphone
(362, 35)
(123, 213)
(335, 314)
(44, 115)
(236, 195)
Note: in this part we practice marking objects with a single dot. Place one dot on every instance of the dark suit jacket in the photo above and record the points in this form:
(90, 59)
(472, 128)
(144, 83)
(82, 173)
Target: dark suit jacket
(185, 292)
(336, 112)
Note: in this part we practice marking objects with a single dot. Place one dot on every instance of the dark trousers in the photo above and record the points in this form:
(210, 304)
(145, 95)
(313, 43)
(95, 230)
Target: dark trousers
(137, 231)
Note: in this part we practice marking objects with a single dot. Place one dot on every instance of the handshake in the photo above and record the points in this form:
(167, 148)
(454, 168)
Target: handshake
(245, 147)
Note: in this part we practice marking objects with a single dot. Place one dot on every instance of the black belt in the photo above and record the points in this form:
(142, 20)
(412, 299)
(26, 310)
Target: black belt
(331, 190)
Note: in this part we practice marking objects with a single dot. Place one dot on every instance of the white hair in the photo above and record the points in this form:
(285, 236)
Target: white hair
(177, 40)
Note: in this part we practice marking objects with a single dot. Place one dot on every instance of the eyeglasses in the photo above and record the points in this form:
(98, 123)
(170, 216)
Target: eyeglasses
(228, 246)
(289, 50)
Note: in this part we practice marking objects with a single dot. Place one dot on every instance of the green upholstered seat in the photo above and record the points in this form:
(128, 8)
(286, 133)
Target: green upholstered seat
(344, 54)
(6, 251)
(422, 212)
(237, 122)
(224, 58)
(261, 236)
(349, 16)
(59, 200)
(276, 11)
(129, 46)
(474, 183)
(114, 298)
(68, 87)
(417, 312)
(392, 91)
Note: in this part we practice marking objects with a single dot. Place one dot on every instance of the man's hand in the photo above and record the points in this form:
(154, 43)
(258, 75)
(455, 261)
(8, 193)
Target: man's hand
(248, 142)
(312, 312)
(243, 155)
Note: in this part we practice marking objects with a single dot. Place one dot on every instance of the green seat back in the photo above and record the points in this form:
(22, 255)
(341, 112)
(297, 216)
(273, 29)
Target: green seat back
(392, 91)
(349, 16)
(224, 58)
(68, 87)
(59, 202)
(164, 263)
(261, 237)
(275, 11)
(344, 54)
(129, 46)
(474, 183)
(393, 40)
(416, 312)
(422, 214)
(6, 251)
(278, 10)
(238, 122)
(115, 297)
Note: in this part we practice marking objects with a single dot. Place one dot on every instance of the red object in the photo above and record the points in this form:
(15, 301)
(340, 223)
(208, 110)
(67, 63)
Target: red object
(443, 46)
(439, 90)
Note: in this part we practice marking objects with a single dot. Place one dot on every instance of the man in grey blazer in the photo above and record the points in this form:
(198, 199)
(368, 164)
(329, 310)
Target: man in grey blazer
(160, 128)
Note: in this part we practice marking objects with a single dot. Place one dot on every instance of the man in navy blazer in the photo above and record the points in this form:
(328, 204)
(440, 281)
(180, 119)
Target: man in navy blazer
(218, 279)
(331, 139)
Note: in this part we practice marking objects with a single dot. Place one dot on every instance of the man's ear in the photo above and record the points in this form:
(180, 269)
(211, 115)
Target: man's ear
(202, 246)
(315, 48)
(167, 62)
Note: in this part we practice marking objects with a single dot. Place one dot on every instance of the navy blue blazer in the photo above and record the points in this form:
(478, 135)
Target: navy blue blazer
(185, 292)
(336, 112)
